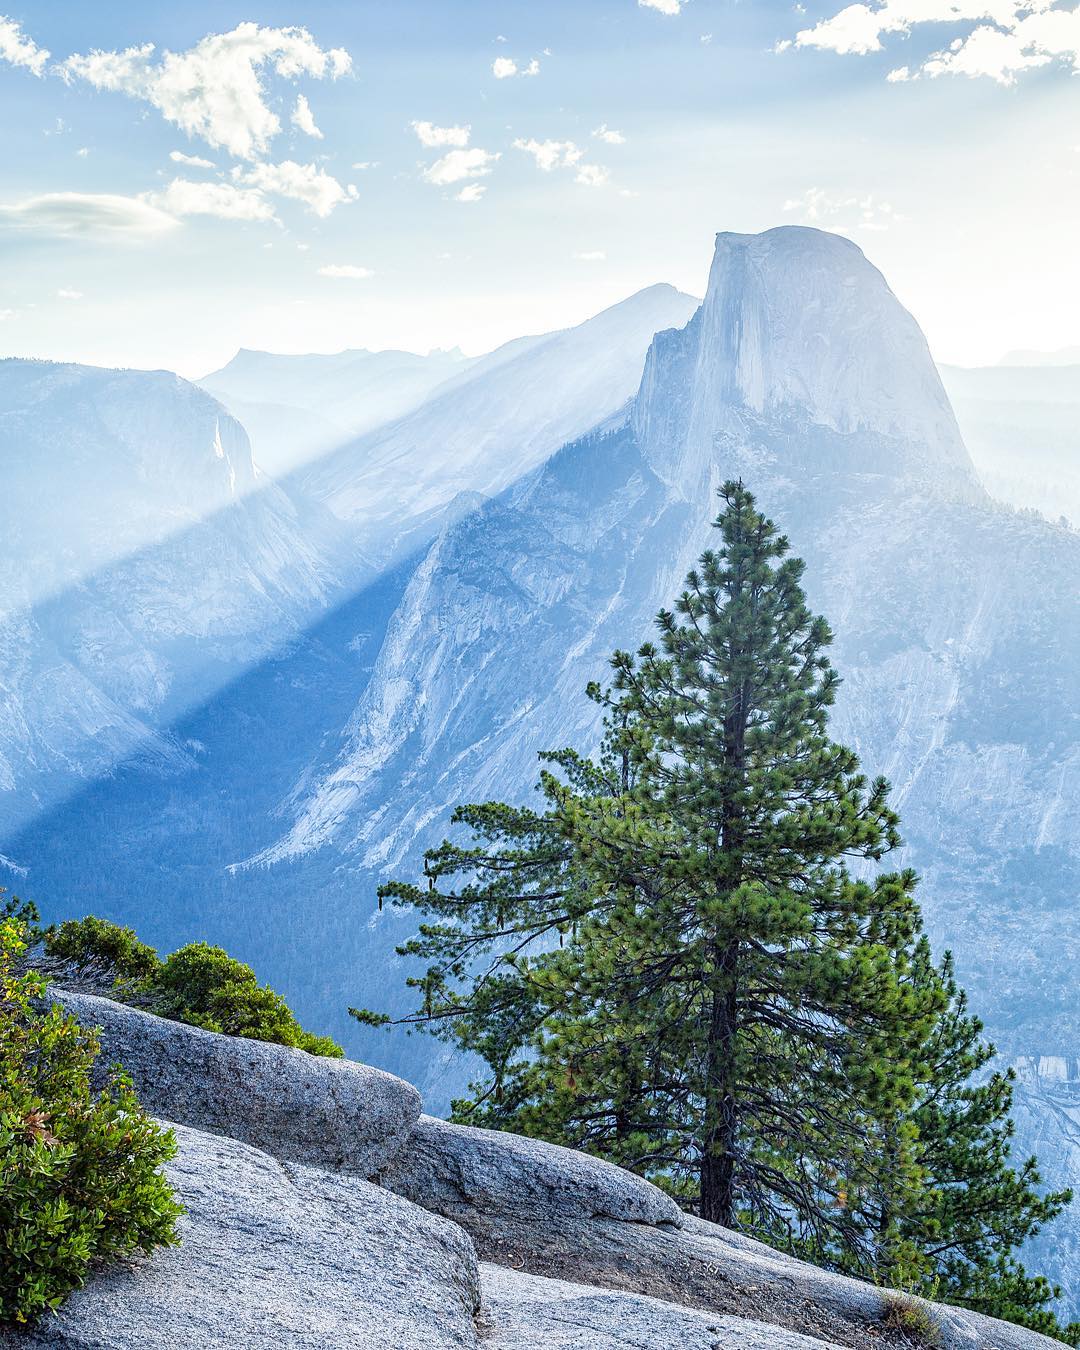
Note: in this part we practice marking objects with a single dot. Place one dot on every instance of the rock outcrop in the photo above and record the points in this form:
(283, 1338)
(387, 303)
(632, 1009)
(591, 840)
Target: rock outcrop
(298, 1107)
(285, 1244)
(276, 1254)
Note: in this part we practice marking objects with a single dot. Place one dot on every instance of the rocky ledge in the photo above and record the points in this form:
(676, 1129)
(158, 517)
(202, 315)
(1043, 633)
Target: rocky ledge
(324, 1211)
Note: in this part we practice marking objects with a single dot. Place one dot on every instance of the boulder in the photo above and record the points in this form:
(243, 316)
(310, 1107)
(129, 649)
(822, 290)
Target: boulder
(463, 1172)
(304, 1108)
(273, 1255)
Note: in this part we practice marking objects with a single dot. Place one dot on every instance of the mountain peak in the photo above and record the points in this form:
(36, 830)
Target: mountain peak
(798, 330)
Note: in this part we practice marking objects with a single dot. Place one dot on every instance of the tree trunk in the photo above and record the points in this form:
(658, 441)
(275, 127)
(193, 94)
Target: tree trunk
(717, 1175)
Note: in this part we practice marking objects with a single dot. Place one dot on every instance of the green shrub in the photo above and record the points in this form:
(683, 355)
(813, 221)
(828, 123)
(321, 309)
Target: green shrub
(205, 986)
(24, 912)
(80, 1173)
(199, 984)
(913, 1317)
(96, 947)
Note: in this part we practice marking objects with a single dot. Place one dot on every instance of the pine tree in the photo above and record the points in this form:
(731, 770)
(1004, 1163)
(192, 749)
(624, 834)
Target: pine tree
(955, 1235)
(683, 962)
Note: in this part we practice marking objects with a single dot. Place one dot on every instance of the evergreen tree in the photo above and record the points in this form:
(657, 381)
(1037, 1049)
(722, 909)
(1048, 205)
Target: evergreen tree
(673, 964)
(954, 1235)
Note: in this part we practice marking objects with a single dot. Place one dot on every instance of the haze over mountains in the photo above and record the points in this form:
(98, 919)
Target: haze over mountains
(293, 407)
(1022, 426)
(413, 616)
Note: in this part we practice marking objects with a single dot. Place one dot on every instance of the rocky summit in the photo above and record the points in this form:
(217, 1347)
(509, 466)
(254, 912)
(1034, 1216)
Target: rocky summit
(322, 1210)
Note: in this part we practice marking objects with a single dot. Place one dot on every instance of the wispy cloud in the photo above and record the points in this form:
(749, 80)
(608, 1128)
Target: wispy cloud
(609, 135)
(65, 293)
(345, 272)
(214, 90)
(319, 191)
(844, 212)
(664, 6)
(471, 192)
(591, 255)
(19, 50)
(550, 155)
(433, 137)
(226, 201)
(458, 165)
(505, 68)
(304, 119)
(87, 213)
(192, 161)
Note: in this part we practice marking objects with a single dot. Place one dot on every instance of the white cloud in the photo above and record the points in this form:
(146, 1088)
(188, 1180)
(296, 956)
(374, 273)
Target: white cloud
(101, 213)
(664, 6)
(459, 165)
(83, 151)
(65, 294)
(183, 197)
(19, 50)
(592, 175)
(6, 314)
(551, 154)
(318, 190)
(471, 192)
(192, 161)
(505, 67)
(345, 272)
(846, 213)
(304, 119)
(609, 135)
(367, 164)
(593, 255)
(214, 90)
(1008, 36)
(433, 137)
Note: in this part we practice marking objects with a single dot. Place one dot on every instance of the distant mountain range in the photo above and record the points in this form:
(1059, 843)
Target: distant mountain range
(295, 407)
(467, 568)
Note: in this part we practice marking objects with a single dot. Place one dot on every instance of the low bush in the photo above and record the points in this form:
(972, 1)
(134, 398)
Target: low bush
(80, 1172)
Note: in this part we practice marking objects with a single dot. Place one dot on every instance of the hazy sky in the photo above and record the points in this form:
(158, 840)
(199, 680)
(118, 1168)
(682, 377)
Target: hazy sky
(181, 180)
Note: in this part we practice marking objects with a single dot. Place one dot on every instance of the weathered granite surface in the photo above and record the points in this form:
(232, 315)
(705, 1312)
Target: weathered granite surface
(551, 1212)
(522, 1311)
(300, 1107)
(458, 1170)
(277, 1255)
(284, 1245)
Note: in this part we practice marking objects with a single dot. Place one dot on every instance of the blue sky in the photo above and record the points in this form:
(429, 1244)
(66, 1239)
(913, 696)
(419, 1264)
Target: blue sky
(949, 150)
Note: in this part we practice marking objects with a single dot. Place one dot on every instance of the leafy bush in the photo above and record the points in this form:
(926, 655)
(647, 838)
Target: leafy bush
(80, 1178)
(199, 984)
(205, 986)
(96, 947)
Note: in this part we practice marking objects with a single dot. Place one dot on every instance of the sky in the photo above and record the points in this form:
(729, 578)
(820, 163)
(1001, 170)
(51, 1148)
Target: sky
(178, 181)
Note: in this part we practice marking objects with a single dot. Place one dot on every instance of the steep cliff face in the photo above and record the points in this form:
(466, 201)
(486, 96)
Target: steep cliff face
(798, 331)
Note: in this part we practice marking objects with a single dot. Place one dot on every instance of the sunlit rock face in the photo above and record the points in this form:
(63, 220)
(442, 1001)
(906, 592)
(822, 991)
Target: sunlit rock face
(799, 331)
